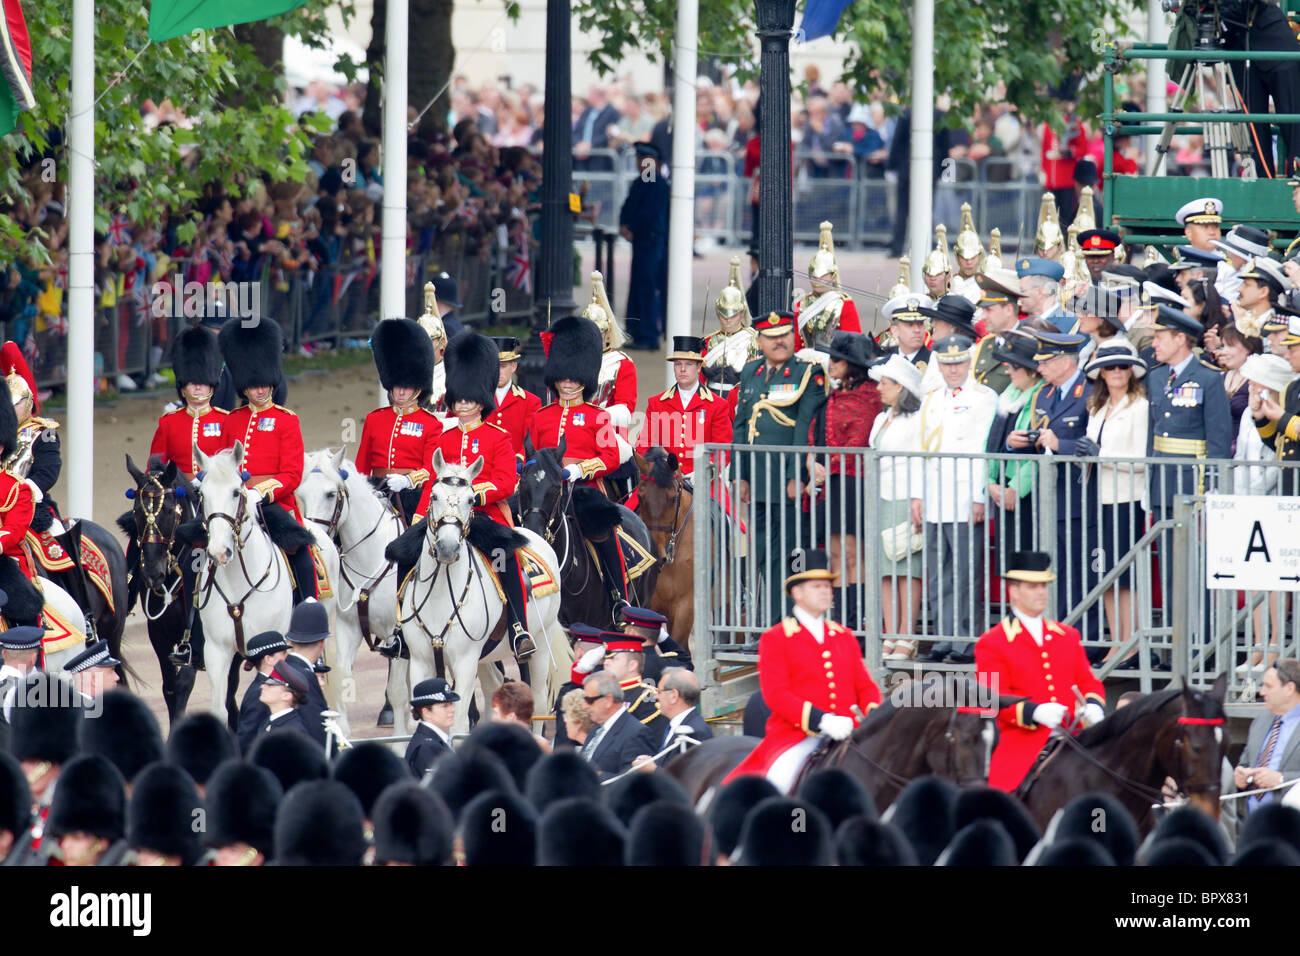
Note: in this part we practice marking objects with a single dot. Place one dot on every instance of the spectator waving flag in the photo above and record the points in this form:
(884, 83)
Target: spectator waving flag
(518, 271)
(820, 17)
(174, 18)
(16, 94)
(118, 231)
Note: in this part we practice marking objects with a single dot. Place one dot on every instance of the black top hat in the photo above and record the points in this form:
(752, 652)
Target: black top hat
(445, 288)
(403, 355)
(507, 348)
(252, 352)
(854, 348)
(1033, 567)
(309, 623)
(809, 565)
(473, 364)
(268, 642)
(1017, 348)
(957, 311)
(689, 347)
(433, 691)
(196, 358)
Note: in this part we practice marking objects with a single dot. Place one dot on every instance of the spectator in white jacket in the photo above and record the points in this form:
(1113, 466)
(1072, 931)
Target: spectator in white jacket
(955, 422)
(1117, 428)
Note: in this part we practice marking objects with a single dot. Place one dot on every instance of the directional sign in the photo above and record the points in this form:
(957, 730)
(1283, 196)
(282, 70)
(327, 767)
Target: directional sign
(1252, 543)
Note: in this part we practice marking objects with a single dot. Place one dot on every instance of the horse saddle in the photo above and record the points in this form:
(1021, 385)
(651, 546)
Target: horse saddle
(324, 587)
(50, 554)
(1054, 745)
(537, 576)
(636, 559)
(816, 760)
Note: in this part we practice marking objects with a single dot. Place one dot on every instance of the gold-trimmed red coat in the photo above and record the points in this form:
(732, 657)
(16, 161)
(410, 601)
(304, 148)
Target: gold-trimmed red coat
(17, 504)
(464, 445)
(393, 439)
(180, 430)
(513, 413)
(1010, 663)
(273, 451)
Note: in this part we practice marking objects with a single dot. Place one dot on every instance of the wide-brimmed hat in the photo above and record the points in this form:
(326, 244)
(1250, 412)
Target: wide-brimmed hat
(900, 370)
(1243, 242)
(689, 347)
(507, 348)
(957, 311)
(1033, 567)
(809, 565)
(1271, 371)
(1268, 272)
(1116, 353)
(998, 285)
(1017, 348)
(854, 348)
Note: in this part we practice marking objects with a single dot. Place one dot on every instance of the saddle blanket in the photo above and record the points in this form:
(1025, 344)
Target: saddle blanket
(324, 589)
(60, 633)
(539, 578)
(636, 559)
(54, 558)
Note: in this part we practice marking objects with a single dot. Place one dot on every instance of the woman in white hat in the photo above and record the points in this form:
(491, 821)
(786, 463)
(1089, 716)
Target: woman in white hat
(1118, 421)
(898, 428)
(1267, 377)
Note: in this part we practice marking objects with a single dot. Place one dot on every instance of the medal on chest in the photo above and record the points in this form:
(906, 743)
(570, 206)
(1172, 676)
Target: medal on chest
(211, 429)
(579, 418)
(414, 429)
(266, 424)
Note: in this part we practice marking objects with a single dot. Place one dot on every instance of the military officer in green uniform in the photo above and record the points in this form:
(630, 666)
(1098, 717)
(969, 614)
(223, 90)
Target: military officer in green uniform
(1279, 422)
(779, 395)
(999, 308)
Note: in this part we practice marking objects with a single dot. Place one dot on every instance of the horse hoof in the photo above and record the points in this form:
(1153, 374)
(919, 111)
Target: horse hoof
(385, 717)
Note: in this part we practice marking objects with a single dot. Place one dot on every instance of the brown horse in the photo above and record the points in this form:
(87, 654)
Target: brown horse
(665, 504)
(921, 728)
(1174, 733)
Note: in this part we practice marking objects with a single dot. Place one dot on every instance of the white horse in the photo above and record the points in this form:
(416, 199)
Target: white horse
(247, 578)
(362, 522)
(450, 598)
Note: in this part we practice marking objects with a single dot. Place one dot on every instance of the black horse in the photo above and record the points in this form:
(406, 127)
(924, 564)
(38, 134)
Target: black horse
(916, 732)
(561, 512)
(1174, 733)
(159, 529)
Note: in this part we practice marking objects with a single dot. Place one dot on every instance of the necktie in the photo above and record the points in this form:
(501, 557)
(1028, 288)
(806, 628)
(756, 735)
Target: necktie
(1173, 374)
(668, 737)
(589, 747)
(1270, 744)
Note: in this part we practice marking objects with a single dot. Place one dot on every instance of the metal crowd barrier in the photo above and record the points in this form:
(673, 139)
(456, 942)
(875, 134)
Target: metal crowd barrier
(1130, 577)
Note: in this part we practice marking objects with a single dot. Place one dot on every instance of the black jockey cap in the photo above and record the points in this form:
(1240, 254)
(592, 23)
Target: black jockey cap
(472, 366)
(403, 355)
(319, 824)
(574, 349)
(445, 288)
(161, 815)
(199, 744)
(252, 352)
(412, 825)
(90, 798)
(125, 732)
(196, 358)
(367, 769)
(241, 802)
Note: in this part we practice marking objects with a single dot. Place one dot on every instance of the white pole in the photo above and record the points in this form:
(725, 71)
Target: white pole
(1157, 32)
(922, 163)
(392, 274)
(681, 211)
(80, 446)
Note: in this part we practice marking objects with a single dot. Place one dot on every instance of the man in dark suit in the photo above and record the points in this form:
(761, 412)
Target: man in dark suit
(264, 651)
(618, 738)
(592, 130)
(282, 693)
(1272, 753)
(447, 293)
(433, 704)
(679, 698)
(643, 221)
(308, 628)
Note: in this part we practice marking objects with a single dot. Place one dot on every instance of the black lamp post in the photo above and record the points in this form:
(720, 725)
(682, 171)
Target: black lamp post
(554, 277)
(775, 19)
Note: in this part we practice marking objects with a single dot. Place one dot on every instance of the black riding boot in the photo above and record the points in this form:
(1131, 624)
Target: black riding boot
(393, 647)
(304, 575)
(188, 651)
(516, 610)
(611, 569)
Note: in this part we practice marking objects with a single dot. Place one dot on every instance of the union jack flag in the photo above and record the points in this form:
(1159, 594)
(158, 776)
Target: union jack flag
(518, 271)
(118, 232)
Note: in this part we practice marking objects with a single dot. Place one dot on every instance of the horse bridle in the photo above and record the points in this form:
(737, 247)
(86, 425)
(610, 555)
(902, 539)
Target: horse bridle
(898, 780)
(678, 524)
(331, 527)
(235, 608)
(152, 534)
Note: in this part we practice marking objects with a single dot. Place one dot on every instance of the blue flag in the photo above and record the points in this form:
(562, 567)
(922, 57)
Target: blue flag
(820, 18)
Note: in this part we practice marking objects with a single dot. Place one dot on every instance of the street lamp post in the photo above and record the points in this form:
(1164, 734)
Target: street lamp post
(775, 19)
(554, 277)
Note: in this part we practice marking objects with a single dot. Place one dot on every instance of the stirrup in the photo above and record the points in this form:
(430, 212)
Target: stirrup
(521, 643)
(391, 648)
(182, 654)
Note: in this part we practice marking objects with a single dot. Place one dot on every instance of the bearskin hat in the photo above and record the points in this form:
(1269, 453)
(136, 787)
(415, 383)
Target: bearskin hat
(367, 770)
(463, 776)
(573, 351)
(8, 422)
(196, 358)
(838, 795)
(15, 798)
(768, 839)
(125, 732)
(252, 352)
(320, 824)
(241, 802)
(1179, 851)
(1076, 852)
(864, 842)
(982, 843)
(985, 803)
(1267, 854)
(291, 756)
(473, 363)
(637, 790)
(90, 798)
(665, 834)
(403, 355)
(46, 730)
(1271, 823)
(512, 743)
(578, 831)
(1192, 824)
(925, 813)
(732, 805)
(199, 744)
(499, 829)
(412, 825)
(559, 775)
(1119, 837)
(161, 814)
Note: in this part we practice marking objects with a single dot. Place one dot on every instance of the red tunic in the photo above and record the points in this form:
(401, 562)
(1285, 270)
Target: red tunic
(1011, 664)
(623, 391)
(496, 482)
(392, 439)
(16, 507)
(706, 418)
(849, 322)
(179, 431)
(513, 413)
(588, 434)
(273, 452)
(801, 680)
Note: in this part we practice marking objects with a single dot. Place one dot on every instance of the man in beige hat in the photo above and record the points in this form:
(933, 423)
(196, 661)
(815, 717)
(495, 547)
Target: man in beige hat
(999, 309)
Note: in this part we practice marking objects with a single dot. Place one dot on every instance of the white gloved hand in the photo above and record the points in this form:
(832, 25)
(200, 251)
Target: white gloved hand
(572, 473)
(620, 416)
(398, 483)
(1049, 715)
(663, 633)
(588, 661)
(1093, 713)
(836, 726)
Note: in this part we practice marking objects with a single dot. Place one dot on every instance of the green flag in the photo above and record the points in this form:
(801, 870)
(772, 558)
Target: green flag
(16, 92)
(174, 18)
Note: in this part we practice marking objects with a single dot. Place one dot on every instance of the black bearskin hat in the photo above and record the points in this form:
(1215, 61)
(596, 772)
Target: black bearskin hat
(291, 756)
(768, 839)
(985, 803)
(861, 841)
(473, 363)
(578, 831)
(462, 776)
(665, 834)
(8, 422)
(252, 352)
(15, 798)
(367, 770)
(512, 743)
(732, 805)
(47, 729)
(625, 797)
(412, 825)
(838, 795)
(573, 350)
(561, 774)
(403, 355)
(241, 804)
(196, 358)
(925, 812)
(162, 814)
(982, 843)
(199, 744)
(126, 732)
(319, 824)
(90, 798)
(499, 829)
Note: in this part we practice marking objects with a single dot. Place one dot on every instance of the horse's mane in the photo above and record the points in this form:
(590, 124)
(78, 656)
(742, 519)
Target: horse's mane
(223, 464)
(1121, 721)
(549, 461)
(663, 468)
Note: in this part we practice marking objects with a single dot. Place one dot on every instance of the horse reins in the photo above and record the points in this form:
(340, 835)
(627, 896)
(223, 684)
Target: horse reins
(235, 608)
(150, 533)
(678, 524)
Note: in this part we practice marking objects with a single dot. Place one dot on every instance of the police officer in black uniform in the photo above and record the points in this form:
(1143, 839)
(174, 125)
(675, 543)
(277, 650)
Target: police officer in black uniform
(284, 692)
(20, 648)
(309, 626)
(262, 652)
(432, 705)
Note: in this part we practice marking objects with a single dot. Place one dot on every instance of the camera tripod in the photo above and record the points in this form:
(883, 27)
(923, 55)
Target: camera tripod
(1221, 136)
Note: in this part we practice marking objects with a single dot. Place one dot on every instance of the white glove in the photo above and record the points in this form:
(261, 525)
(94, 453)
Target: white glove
(836, 726)
(620, 416)
(398, 482)
(588, 661)
(663, 633)
(1049, 715)
(1093, 713)
(572, 473)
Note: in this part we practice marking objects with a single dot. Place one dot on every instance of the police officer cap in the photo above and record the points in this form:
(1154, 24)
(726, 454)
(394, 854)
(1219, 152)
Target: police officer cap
(1176, 320)
(585, 633)
(435, 690)
(283, 676)
(643, 617)
(1035, 266)
(309, 623)
(24, 639)
(96, 655)
(268, 642)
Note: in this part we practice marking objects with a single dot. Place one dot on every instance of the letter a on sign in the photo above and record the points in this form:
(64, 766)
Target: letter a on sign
(1257, 543)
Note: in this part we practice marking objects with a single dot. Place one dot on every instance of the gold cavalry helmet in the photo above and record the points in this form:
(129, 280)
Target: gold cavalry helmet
(600, 312)
(968, 244)
(994, 259)
(731, 300)
(938, 261)
(822, 266)
(1049, 226)
(1085, 219)
(902, 286)
(431, 320)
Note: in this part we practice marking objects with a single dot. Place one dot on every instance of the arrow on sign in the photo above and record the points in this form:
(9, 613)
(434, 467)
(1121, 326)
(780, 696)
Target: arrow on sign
(1220, 574)
(1293, 577)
